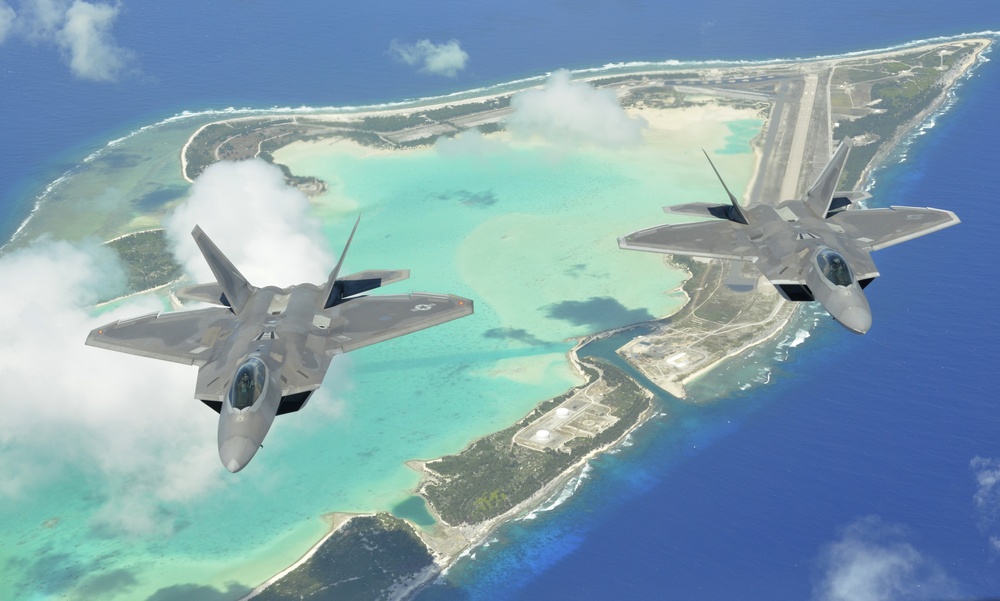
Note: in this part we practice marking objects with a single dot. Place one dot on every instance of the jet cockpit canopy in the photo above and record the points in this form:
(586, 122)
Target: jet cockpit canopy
(834, 267)
(248, 383)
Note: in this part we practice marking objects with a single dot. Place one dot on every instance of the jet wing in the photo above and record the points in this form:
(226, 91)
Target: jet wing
(366, 320)
(875, 229)
(186, 337)
(351, 324)
(715, 239)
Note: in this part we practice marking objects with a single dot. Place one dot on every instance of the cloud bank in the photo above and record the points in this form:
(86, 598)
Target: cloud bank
(80, 30)
(437, 59)
(257, 220)
(872, 562)
(125, 423)
(572, 113)
(987, 497)
(128, 425)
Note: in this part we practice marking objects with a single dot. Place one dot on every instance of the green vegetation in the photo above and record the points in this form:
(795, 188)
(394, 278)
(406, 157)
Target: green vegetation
(493, 474)
(367, 138)
(391, 123)
(147, 259)
(899, 90)
(228, 137)
(364, 559)
(489, 128)
(246, 138)
(620, 79)
(902, 101)
(657, 98)
(452, 111)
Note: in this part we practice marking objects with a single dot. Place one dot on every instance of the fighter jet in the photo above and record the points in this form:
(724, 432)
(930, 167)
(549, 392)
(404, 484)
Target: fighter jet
(262, 352)
(817, 248)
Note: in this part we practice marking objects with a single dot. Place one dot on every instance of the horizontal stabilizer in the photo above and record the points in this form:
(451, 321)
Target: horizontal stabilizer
(843, 200)
(699, 209)
(710, 239)
(236, 287)
(363, 281)
(204, 293)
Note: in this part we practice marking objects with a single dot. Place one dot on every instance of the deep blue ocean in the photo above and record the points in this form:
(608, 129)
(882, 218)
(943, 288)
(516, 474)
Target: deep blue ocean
(862, 443)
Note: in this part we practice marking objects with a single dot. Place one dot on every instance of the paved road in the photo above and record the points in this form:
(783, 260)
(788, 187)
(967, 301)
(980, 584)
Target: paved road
(768, 149)
(790, 184)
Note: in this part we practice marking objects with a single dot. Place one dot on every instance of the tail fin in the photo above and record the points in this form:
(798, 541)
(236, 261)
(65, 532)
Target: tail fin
(234, 286)
(332, 292)
(820, 195)
(735, 213)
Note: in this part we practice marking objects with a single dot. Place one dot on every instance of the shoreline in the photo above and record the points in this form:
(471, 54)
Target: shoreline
(476, 534)
(953, 78)
(337, 521)
(479, 94)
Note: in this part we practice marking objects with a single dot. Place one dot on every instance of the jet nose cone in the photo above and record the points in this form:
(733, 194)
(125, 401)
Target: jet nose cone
(237, 452)
(856, 319)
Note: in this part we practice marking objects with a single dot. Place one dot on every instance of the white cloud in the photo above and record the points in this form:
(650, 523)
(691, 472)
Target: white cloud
(987, 496)
(7, 16)
(437, 59)
(469, 142)
(127, 424)
(872, 562)
(257, 220)
(81, 30)
(86, 37)
(568, 112)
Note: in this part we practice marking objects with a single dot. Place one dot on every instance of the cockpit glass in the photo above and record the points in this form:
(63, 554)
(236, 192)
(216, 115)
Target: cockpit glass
(248, 384)
(834, 267)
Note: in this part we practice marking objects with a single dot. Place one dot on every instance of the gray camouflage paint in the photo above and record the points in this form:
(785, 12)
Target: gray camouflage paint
(295, 332)
(783, 239)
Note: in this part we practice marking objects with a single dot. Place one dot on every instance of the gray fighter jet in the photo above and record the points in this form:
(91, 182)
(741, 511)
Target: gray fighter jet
(816, 248)
(263, 351)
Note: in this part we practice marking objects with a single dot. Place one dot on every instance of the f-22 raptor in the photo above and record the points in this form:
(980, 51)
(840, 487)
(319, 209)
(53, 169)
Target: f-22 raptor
(813, 248)
(262, 352)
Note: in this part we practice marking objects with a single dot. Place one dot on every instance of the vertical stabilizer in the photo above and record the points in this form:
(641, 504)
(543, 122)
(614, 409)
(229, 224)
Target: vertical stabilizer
(234, 286)
(735, 213)
(821, 193)
(332, 292)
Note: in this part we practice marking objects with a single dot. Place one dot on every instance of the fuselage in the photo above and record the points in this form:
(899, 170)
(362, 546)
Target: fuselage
(274, 324)
(790, 234)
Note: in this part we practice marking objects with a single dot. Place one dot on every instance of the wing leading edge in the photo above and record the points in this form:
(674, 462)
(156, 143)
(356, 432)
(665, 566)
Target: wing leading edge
(185, 337)
(713, 239)
(880, 228)
(366, 320)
